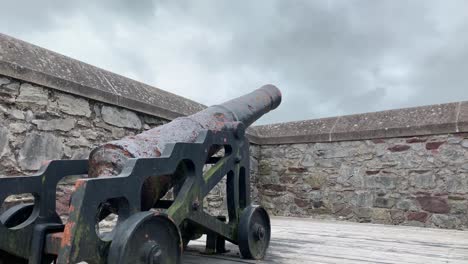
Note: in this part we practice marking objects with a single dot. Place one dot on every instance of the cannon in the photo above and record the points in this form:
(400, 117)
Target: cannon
(131, 178)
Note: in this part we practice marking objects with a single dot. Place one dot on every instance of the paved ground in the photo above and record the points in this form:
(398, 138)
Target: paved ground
(312, 241)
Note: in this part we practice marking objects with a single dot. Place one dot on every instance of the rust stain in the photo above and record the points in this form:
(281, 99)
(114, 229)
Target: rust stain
(79, 184)
(57, 235)
(66, 238)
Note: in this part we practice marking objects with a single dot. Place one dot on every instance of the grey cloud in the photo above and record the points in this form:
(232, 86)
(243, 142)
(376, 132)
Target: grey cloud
(329, 57)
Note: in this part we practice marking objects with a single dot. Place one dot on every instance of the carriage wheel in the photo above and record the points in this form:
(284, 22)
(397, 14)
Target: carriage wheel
(146, 238)
(254, 232)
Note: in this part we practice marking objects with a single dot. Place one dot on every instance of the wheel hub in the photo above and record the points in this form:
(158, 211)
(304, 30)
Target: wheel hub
(259, 232)
(154, 254)
(146, 238)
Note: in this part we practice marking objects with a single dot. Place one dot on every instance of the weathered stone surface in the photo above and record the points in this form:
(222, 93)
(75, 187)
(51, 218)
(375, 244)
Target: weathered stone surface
(11, 89)
(458, 184)
(316, 180)
(434, 145)
(32, 94)
(120, 117)
(73, 105)
(17, 114)
(445, 221)
(407, 205)
(433, 204)
(3, 140)
(416, 140)
(425, 180)
(66, 124)
(425, 120)
(18, 128)
(380, 215)
(4, 81)
(417, 216)
(465, 143)
(81, 154)
(153, 121)
(354, 178)
(381, 202)
(37, 148)
(398, 148)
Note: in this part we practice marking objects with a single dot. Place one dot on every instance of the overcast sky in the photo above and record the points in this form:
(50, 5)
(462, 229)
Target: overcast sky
(328, 57)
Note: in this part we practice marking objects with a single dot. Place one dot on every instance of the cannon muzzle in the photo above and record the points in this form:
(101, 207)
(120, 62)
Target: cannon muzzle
(250, 107)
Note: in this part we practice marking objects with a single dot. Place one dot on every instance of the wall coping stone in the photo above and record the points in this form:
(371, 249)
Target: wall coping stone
(30, 63)
(447, 118)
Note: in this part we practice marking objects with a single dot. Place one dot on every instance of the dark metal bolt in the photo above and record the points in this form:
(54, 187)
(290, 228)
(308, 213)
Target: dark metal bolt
(154, 256)
(195, 205)
(260, 233)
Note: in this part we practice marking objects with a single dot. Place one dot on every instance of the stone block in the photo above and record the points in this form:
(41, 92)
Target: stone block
(381, 182)
(73, 105)
(363, 215)
(66, 124)
(407, 205)
(77, 142)
(340, 209)
(445, 221)
(417, 216)
(434, 145)
(416, 140)
(398, 217)
(272, 189)
(297, 169)
(457, 184)
(381, 202)
(37, 148)
(11, 89)
(32, 94)
(3, 140)
(380, 215)
(423, 180)
(17, 114)
(153, 121)
(434, 204)
(18, 128)
(464, 143)
(302, 203)
(120, 117)
(316, 180)
(399, 148)
(458, 207)
(4, 81)
(362, 199)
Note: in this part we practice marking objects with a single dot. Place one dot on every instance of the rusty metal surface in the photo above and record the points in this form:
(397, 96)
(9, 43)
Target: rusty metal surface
(109, 159)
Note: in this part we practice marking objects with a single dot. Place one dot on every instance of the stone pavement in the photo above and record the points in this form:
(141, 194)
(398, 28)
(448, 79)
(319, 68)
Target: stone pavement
(297, 240)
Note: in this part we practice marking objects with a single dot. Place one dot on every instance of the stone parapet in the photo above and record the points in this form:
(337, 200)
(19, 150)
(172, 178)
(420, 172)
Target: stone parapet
(406, 122)
(29, 63)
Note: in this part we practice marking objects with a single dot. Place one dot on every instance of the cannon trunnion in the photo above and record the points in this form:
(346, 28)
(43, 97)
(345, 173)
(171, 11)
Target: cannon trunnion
(154, 231)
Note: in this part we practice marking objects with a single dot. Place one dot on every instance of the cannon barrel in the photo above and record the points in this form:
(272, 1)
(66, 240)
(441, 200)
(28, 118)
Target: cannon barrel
(110, 158)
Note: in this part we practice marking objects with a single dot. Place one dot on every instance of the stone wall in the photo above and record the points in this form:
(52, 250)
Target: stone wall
(38, 124)
(395, 171)
(416, 181)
